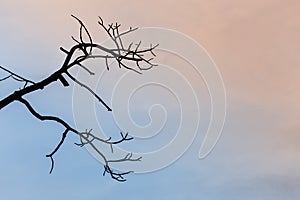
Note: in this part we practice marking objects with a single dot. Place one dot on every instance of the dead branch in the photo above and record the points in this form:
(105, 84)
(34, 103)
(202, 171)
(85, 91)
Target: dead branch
(15, 77)
(84, 49)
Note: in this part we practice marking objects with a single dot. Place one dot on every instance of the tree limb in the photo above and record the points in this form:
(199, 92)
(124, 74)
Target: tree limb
(87, 50)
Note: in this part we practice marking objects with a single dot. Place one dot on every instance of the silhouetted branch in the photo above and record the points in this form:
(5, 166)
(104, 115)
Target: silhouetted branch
(89, 89)
(82, 26)
(86, 69)
(15, 77)
(64, 135)
(119, 176)
(5, 78)
(84, 49)
(83, 136)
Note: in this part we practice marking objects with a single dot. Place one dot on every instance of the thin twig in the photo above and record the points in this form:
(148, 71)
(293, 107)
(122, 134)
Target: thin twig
(90, 90)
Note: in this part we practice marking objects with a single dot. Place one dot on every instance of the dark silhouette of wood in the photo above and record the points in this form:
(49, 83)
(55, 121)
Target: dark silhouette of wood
(87, 49)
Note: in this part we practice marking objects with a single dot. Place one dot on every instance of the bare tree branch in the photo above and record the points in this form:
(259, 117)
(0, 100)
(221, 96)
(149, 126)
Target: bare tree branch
(64, 135)
(15, 77)
(83, 136)
(84, 49)
(90, 90)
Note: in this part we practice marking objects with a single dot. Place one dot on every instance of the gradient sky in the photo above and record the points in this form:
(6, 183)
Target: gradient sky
(255, 45)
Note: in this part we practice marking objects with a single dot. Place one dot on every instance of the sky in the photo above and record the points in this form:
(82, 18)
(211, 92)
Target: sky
(253, 43)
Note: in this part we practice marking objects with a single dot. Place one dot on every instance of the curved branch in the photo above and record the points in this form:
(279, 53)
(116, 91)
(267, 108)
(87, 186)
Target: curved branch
(64, 135)
(43, 118)
(83, 135)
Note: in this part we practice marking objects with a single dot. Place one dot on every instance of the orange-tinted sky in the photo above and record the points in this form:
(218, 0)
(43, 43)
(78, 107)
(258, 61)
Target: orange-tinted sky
(254, 43)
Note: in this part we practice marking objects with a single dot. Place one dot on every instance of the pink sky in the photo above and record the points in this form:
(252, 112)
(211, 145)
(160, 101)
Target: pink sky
(254, 43)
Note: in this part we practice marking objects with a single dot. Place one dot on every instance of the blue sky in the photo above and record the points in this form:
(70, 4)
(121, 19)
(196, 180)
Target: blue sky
(255, 45)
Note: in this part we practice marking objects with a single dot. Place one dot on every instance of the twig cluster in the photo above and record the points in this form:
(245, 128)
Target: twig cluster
(85, 49)
(130, 53)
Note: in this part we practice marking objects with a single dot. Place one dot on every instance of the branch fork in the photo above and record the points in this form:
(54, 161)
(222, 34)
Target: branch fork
(87, 49)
